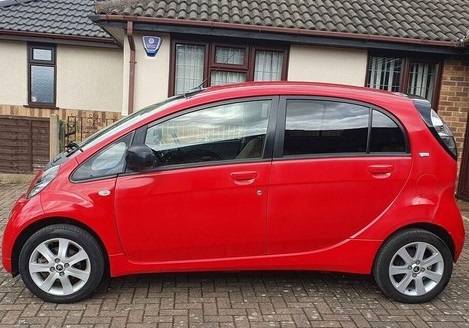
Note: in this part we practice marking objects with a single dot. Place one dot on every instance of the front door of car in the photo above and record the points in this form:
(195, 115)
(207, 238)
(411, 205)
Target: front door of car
(206, 196)
(338, 166)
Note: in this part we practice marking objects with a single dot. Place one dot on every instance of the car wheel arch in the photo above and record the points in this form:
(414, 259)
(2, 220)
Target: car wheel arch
(35, 226)
(433, 228)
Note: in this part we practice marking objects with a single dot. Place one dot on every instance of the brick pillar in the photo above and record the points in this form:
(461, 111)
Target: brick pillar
(454, 99)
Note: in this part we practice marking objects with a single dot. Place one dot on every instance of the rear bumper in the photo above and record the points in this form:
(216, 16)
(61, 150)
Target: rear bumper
(449, 218)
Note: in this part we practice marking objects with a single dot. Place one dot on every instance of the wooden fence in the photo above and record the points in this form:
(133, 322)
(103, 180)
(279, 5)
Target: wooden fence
(24, 143)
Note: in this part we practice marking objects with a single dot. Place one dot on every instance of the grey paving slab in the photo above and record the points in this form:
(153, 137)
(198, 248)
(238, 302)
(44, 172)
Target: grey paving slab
(235, 299)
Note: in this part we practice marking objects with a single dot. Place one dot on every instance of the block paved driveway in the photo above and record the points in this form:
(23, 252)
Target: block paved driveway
(254, 299)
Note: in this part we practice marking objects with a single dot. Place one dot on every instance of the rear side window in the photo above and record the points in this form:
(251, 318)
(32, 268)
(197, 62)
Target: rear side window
(326, 127)
(386, 135)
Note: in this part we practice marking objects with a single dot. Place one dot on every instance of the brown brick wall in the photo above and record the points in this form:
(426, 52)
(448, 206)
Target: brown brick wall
(63, 113)
(454, 98)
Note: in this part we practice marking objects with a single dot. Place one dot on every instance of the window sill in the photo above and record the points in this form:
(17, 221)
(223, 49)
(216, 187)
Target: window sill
(43, 106)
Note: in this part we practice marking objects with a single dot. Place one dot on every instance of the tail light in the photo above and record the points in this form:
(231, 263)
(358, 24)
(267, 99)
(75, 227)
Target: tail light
(437, 126)
(444, 134)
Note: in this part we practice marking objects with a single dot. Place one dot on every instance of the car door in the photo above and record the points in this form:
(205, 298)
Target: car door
(206, 196)
(337, 167)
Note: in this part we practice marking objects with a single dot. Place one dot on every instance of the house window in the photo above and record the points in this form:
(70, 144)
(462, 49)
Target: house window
(189, 66)
(384, 73)
(268, 65)
(42, 75)
(422, 79)
(405, 75)
(208, 64)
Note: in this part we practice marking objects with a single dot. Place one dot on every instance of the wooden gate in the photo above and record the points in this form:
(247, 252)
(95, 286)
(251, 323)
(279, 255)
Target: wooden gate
(24, 144)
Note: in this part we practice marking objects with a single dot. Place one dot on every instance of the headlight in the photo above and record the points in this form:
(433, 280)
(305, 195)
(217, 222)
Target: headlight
(44, 180)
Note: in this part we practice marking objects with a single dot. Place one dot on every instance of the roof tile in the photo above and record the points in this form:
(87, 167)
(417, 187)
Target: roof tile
(63, 17)
(428, 20)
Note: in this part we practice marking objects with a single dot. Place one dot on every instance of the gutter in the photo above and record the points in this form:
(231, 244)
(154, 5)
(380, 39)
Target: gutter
(130, 38)
(58, 38)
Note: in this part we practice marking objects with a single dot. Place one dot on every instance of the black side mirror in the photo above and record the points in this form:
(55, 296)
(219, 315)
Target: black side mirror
(140, 157)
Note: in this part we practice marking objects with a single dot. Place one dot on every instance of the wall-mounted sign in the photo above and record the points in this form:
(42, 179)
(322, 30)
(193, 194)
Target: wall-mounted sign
(151, 44)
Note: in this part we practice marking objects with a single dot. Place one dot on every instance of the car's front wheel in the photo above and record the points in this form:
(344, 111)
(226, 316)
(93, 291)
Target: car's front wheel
(413, 266)
(61, 263)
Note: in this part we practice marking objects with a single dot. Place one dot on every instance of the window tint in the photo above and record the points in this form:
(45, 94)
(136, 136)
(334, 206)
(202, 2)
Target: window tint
(386, 135)
(107, 162)
(317, 127)
(224, 132)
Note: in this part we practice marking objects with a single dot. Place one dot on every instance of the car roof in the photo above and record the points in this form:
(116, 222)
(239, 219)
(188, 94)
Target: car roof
(294, 88)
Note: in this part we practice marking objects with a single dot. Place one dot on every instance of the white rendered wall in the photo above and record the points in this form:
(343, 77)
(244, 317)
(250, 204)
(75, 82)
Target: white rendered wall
(89, 78)
(332, 65)
(13, 73)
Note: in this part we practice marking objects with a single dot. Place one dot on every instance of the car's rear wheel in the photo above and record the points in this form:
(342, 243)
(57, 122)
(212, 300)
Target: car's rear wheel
(61, 263)
(413, 266)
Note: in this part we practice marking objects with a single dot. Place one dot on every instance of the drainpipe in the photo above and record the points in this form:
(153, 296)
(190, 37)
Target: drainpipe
(130, 38)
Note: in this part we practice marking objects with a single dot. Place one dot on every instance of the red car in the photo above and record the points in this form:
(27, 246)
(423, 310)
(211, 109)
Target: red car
(258, 176)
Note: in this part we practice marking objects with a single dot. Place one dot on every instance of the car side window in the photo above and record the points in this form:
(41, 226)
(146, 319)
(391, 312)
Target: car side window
(318, 127)
(107, 162)
(326, 127)
(219, 133)
(386, 135)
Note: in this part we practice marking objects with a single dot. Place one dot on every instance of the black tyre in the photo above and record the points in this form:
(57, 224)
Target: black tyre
(413, 266)
(61, 264)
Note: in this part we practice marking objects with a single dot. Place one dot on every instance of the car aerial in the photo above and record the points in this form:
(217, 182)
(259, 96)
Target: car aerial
(253, 176)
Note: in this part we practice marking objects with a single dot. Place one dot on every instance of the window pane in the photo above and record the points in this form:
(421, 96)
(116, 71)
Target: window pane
(220, 77)
(316, 127)
(107, 162)
(225, 55)
(42, 84)
(189, 67)
(384, 73)
(42, 54)
(422, 80)
(268, 66)
(386, 136)
(224, 132)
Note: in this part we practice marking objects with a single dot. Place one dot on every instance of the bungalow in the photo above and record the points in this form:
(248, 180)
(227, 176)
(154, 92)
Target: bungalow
(53, 61)
(168, 47)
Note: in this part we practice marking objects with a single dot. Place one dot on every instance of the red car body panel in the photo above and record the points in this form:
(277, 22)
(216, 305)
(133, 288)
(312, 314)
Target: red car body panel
(329, 200)
(222, 216)
(329, 213)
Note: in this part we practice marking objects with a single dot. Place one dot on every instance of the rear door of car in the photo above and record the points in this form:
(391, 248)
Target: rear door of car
(338, 164)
